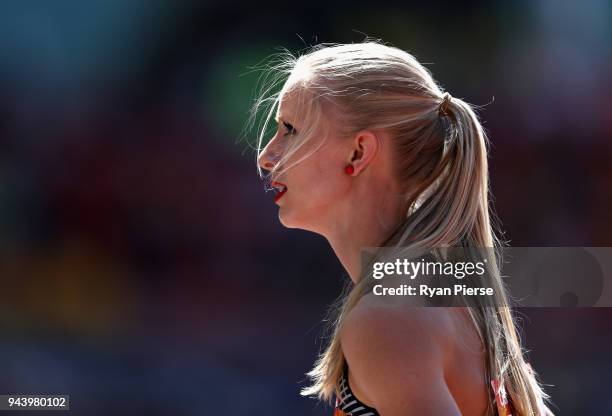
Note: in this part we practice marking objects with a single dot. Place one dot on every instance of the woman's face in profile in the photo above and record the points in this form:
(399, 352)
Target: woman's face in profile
(315, 186)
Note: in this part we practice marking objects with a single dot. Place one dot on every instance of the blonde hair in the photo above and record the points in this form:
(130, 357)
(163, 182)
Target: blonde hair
(440, 157)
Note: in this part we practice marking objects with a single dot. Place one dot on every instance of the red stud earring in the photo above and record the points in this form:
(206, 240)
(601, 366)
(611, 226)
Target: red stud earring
(349, 169)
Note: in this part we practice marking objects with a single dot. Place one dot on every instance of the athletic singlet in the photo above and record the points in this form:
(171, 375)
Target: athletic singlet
(348, 405)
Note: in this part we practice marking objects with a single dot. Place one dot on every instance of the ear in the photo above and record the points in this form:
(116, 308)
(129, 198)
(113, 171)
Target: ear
(365, 146)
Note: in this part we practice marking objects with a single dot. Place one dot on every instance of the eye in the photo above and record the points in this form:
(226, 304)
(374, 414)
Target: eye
(290, 129)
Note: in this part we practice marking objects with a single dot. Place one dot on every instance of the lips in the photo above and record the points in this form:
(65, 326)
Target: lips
(281, 189)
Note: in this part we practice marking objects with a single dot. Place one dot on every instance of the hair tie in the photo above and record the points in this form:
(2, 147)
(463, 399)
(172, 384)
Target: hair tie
(446, 99)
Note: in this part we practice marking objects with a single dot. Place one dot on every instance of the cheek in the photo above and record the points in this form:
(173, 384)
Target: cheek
(320, 178)
(322, 181)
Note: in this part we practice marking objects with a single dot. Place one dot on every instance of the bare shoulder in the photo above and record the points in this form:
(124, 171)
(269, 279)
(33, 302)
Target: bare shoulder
(396, 357)
(398, 326)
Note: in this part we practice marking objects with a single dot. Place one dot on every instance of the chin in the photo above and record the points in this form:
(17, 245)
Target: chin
(289, 219)
(292, 221)
(286, 219)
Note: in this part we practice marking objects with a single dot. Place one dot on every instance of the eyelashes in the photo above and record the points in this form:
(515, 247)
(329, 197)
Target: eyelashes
(290, 129)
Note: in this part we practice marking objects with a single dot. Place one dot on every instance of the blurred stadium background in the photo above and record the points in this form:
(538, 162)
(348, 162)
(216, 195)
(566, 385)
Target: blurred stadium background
(142, 267)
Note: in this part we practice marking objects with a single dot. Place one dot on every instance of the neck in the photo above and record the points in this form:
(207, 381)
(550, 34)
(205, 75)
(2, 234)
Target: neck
(370, 226)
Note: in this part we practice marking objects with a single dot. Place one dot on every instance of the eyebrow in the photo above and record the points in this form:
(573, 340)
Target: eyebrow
(285, 122)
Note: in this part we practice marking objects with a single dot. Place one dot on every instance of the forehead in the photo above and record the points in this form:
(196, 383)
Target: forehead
(291, 102)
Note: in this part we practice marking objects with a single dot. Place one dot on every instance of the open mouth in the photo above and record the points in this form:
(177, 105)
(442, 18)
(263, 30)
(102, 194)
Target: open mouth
(280, 188)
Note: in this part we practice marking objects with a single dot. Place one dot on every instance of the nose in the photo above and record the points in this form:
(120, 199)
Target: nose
(265, 163)
(268, 157)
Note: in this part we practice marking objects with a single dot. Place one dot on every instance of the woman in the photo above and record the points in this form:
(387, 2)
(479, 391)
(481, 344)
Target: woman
(370, 152)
